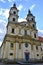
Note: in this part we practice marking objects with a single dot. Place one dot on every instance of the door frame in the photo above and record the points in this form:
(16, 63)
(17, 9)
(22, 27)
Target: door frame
(28, 56)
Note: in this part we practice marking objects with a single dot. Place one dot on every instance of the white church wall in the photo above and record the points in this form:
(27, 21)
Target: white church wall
(6, 49)
(11, 19)
(28, 32)
(9, 30)
(42, 46)
(12, 11)
(17, 31)
(35, 51)
(22, 31)
(20, 54)
(17, 47)
(32, 34)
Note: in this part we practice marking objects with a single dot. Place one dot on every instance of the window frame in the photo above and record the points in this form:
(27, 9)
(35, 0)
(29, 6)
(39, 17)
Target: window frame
(14, 12)
(34, 35)
(11, 45)
(12, 30)
(26, 45)
(25, 31)
(11, 54)
(36, 47)
(37, 54)
(13, 19)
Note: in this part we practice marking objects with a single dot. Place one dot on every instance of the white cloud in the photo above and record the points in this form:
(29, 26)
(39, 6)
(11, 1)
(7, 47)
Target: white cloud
(0, 31)
(40, 30)
(21, 19)
(3, 22)
(20, 7)
(0, 43)
(2, 26)
(31, 7)
(2, 1)
(10, 0)
(4, 12)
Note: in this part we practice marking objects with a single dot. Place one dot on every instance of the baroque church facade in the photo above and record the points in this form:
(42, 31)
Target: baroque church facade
(21, 40)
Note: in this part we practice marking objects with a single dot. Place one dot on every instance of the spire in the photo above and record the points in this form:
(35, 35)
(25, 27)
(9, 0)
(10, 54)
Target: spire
(29, 12)
(14, 5)
(30, 16)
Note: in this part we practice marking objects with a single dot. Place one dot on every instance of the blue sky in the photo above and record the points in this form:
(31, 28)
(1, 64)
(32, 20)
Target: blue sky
(36, 7)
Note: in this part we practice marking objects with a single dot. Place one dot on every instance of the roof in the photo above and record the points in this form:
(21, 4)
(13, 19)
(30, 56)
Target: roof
(40, 39)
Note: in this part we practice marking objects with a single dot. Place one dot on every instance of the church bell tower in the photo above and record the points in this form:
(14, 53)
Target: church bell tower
(31, 19)
(13, 14)
(32, 23)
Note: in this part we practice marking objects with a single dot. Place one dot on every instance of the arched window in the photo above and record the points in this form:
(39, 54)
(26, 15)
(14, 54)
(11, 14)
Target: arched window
(14, 12)
(26, 44)
(33, 25)
(32, 19)
(11, 45)
(12, 30)
(25, 32)
(13, 19)
(35, 35)
(36, 47)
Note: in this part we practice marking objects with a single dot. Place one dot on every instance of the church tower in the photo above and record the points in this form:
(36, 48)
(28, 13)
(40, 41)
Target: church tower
(10, 37)
(32, 23)
(13, 14)
(12, 19)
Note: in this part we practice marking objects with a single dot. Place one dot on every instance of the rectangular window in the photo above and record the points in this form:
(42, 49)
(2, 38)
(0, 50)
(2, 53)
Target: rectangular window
(11, 53)
(11, 45)
(25, 32)
(35, 35)
(41, 48)
(36, 47)
(12, 30)
(33, 25)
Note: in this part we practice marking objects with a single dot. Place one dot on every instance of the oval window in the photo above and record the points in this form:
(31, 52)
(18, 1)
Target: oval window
(26, 44)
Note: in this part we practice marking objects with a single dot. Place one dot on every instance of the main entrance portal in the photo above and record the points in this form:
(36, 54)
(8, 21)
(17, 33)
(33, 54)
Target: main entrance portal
(27, 56)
